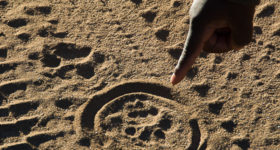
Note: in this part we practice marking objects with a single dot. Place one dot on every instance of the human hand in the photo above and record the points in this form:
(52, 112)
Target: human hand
(216, 26)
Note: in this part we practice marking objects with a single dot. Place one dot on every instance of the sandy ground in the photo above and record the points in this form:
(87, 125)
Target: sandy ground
(95, 75)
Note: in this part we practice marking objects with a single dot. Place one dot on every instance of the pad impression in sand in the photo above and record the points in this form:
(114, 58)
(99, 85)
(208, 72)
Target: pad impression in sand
(136, 114)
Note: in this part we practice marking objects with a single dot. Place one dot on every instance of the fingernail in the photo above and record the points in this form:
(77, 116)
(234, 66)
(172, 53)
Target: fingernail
(172, 79)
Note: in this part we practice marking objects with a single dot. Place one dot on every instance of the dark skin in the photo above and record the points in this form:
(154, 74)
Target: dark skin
(216, 26)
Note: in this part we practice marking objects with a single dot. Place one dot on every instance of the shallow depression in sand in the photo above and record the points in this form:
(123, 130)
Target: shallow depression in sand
(136, 114)
(144, 118)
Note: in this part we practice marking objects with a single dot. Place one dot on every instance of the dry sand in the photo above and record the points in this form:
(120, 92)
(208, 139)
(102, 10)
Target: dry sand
(94, 75)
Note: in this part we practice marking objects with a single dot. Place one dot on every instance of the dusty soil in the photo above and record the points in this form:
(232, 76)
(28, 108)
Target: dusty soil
(95, 75)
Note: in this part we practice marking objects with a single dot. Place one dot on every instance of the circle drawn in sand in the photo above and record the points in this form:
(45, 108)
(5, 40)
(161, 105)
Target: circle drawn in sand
(136, 114)
(144, 118)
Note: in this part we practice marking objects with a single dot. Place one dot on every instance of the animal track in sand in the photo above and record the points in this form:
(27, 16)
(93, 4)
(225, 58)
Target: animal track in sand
(175, 52)
(266, 10)
(85, 70)
(63, 103)
(18, 145)
(8, 65)
(59, 34)
(19, 108)
(34, 9)
(98, 57)
(19, 132)
(47, 31)
(84, 142)
(15, 128)
(215, 107)
(17, 23)
(243, 143)
(202, 89)
(228, 125)
(107, 95)
(139, 113)
(54, 53)
(34, 55)
(38, 138)
(149, 16)
(69, 50)
(62, 71)
(43, 32)
(10, 87)
(33, 140)
(3, 52)
(24, 36)
(162, 34)
(50, 60)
